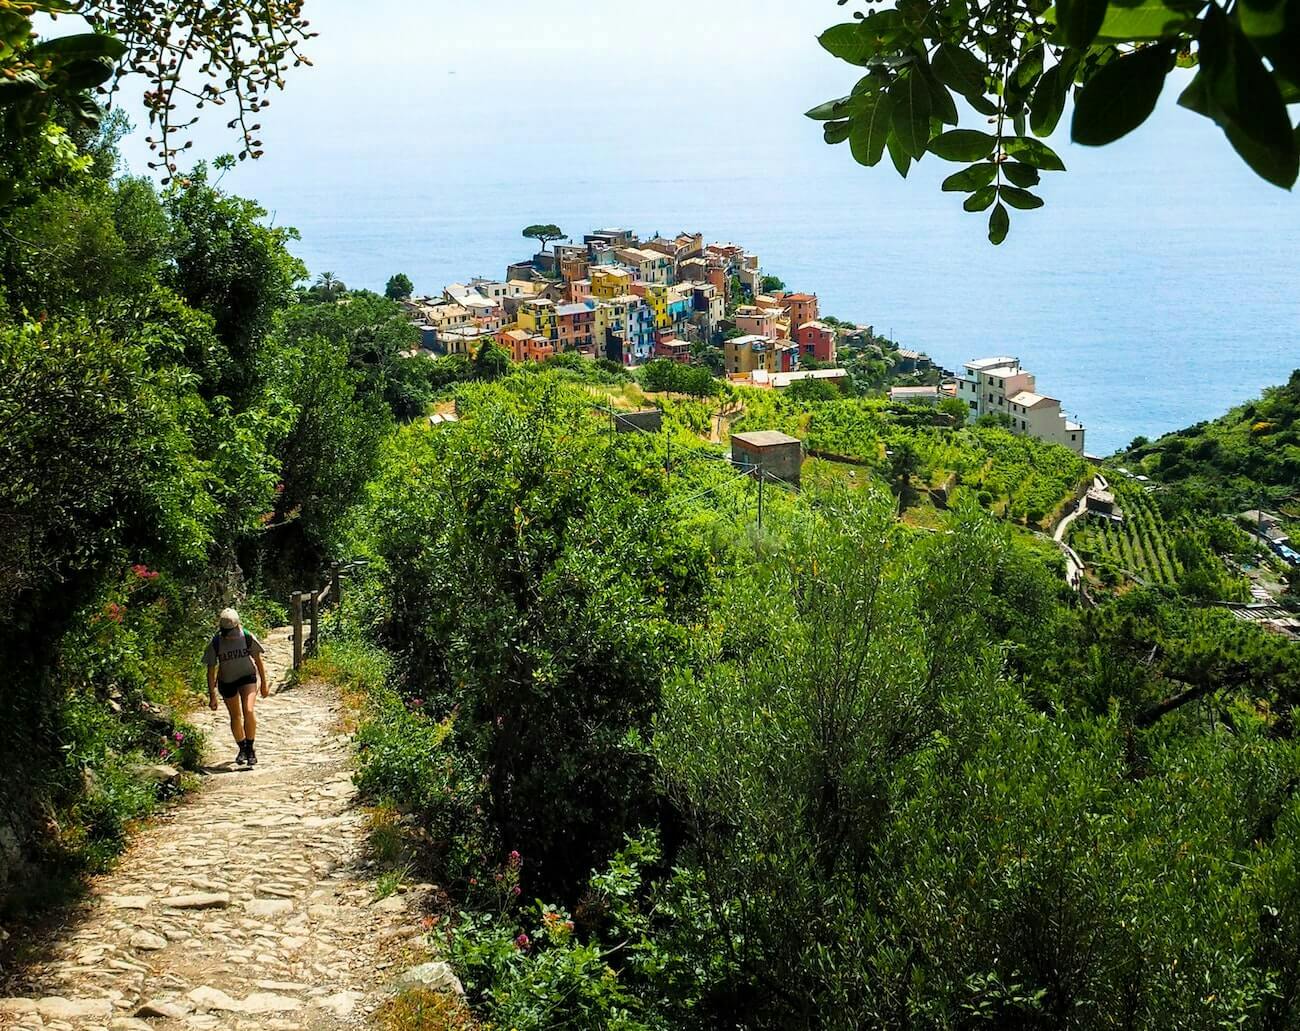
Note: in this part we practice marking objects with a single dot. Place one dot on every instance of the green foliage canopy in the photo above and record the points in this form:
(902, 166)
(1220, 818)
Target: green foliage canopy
(1018, 64)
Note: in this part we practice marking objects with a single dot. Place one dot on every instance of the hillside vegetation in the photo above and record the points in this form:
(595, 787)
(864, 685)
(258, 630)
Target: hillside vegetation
(1248, 457)
(676, 770)
(674, 761)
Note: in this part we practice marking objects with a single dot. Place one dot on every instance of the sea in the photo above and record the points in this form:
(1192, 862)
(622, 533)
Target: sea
(1157, 287)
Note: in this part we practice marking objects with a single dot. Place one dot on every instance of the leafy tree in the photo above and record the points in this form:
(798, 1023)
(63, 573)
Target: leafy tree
(1018, 65)
(810, 390)
(227, 262)
(550, 636)
(490, 361)
(399, 287)
(771, 283)
(332, 448)
(239, 49)
(904, 463)
(710, 356)
(994, 421)
(955, 409)
(544, 233)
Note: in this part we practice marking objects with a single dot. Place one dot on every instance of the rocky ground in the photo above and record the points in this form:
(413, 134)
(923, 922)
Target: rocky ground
(246, 906)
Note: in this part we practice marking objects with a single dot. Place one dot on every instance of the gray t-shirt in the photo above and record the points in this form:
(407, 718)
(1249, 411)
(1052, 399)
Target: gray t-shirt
(232, 652)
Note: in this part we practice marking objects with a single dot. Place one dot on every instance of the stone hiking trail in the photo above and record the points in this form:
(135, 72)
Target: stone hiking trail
(244, 906)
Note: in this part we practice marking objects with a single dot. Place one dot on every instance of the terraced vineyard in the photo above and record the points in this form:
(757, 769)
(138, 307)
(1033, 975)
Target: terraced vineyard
(1142, 546)
(1024, 479)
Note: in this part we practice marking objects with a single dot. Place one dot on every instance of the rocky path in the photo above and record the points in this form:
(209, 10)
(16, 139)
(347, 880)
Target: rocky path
(247, 906)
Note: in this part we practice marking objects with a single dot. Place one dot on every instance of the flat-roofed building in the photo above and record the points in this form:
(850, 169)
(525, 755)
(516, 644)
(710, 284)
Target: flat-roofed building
(1000, 385)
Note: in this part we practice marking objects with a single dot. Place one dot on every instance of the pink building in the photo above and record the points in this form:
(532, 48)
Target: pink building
(816, 340)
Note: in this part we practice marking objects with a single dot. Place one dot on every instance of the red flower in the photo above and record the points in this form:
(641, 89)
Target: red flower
(143, 572)
(114, 611)
(522, 942)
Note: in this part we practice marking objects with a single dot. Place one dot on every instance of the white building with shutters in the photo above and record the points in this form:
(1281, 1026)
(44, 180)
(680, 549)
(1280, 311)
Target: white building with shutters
(1000, 385)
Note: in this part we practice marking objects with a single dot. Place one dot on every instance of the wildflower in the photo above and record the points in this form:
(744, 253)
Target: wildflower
(515, 891)
(516, 860)
(473, 880)
(114, 611)
(522, 942)
(143, 572)
(178, 737)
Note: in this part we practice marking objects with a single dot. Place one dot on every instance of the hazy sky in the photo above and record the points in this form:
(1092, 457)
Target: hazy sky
(401, 86)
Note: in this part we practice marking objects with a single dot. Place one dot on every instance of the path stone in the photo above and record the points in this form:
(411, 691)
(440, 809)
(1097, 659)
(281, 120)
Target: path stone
(148, 941)
(246, 906)
(212, 900)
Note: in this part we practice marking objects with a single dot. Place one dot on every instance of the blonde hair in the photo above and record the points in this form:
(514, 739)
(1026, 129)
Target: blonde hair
(228, 620)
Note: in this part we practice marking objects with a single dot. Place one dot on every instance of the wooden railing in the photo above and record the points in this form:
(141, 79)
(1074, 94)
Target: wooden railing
(306, 608)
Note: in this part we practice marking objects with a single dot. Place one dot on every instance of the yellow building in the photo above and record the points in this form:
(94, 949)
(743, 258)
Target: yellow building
(610, 281)
(538, 318)
(657, 298)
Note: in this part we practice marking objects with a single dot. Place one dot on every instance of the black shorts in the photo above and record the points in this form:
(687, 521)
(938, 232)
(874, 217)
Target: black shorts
(232, 689)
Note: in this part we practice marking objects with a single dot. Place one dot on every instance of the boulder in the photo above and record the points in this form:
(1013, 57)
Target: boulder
(438, 977)
(156, 773)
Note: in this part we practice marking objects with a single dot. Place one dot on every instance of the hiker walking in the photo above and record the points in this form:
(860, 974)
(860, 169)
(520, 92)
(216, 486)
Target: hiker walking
(235, 669)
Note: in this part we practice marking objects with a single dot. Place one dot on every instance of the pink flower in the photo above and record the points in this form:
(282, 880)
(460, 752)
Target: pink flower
(522, 942)
(515, 891)
(178, 737)
(143, 572)
(114, 611)
(516, 860)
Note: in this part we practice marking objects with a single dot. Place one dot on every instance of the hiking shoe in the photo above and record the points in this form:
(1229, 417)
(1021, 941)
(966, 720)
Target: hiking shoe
(242, 757)
(250, 756)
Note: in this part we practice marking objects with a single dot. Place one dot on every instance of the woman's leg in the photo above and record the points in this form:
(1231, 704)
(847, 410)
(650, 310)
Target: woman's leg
(248, 697)
(236, 718)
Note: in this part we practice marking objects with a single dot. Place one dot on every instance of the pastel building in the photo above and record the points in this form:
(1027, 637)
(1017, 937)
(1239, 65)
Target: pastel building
(537, 316)
(624, 330)
(575, 327)
(816, 340)
(801, 307)
(525, 347)
(744, 354)
(650, 266)
(1000, 385)
(764, 322)
(610, 281)
(710, 306)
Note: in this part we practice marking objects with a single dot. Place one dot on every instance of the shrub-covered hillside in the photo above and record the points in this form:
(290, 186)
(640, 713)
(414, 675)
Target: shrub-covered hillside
(674, 770)
(1249, 456)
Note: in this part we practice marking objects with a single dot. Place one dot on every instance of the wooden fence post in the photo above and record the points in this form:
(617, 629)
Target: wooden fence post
(295, 605)
(335, 587)
(314, 612)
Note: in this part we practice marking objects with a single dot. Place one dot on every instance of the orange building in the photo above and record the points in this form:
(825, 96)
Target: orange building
(802, 307)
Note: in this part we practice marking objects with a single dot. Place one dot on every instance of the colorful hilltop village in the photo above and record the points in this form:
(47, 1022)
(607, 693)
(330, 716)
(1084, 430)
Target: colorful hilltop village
(619, 298)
